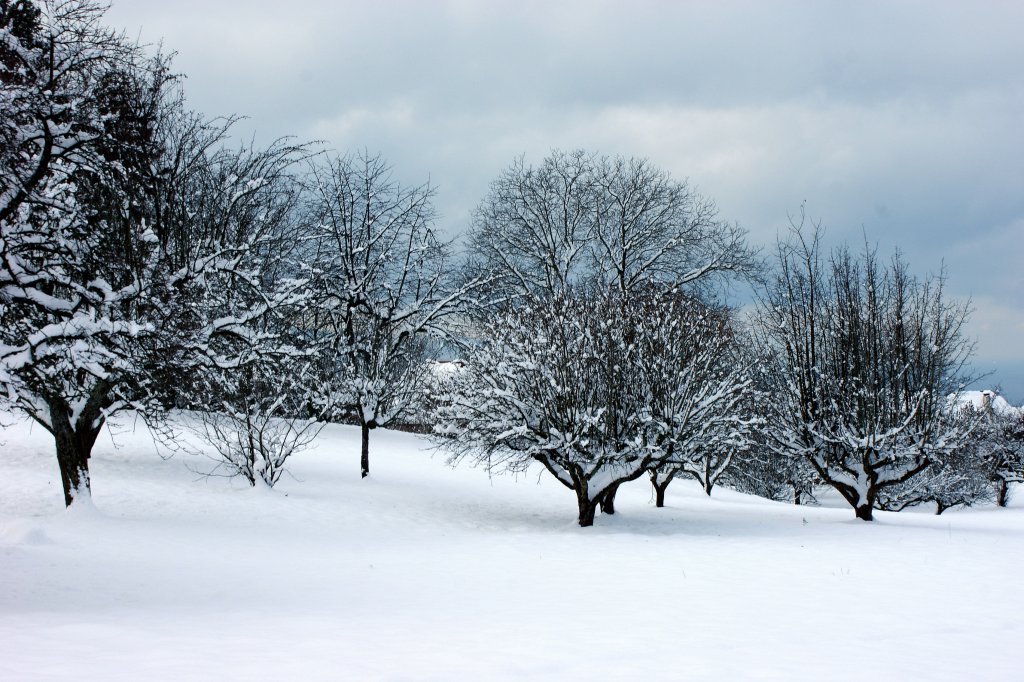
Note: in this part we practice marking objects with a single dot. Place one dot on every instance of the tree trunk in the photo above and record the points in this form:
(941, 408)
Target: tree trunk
(587, 507)
(1002, 493)
(660, 488)
(863, 512)
(939, 508)
(796, 493)
(708, 485)
(74, 466)
(607, 499)
(74, 446)
(659, 493)
(364, 461)
(588, 510)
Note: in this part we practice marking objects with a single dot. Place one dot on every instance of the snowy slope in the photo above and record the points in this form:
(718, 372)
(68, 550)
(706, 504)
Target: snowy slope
(426, 573)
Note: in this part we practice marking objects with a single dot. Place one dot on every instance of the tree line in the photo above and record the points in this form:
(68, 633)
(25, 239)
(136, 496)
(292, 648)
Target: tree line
(148, 262)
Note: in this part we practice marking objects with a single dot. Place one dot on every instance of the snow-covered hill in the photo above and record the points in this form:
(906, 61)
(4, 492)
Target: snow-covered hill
(426, 573)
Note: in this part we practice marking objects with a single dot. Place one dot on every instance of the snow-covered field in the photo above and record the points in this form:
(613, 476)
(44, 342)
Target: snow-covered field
(427, 573)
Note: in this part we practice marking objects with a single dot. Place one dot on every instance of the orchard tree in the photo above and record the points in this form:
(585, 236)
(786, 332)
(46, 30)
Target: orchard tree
(956, 479)
(257, 411)
(383, 290)
(997, 440)
(257, 417)
(598, 387)
(990, 459)
(1004, 454)
(114, 276)
(582, 227)
(694, 384)
(862, 356)
(546, 384)
(759, 470)
(60, 350)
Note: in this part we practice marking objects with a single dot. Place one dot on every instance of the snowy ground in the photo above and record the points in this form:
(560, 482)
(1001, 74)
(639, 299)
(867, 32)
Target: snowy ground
(426, 573)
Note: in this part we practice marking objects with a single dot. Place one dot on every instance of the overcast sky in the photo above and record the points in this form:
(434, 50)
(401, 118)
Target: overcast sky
(903, 121)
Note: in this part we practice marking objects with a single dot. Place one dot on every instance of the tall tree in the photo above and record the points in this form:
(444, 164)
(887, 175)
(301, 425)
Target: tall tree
(383, 290)
(579, 223)
(110, 277)
(863, 356)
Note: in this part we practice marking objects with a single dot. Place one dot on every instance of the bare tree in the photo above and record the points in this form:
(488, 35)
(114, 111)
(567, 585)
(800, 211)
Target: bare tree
(258, 419)
(383, 289)
(997, 442)
(578, 217)
(646, 226)
(957, 479)
(694, 382)
(104, 289)
(579, 226)
(545, 385)
(533, 227)
(863, 357)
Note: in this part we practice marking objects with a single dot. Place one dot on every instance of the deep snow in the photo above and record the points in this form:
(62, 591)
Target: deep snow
(422, 572)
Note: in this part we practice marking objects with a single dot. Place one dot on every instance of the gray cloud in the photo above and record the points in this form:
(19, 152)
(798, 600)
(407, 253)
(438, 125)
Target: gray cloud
(898, 120)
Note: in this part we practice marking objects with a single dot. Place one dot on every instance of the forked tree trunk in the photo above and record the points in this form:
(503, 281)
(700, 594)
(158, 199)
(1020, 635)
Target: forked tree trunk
(74, 465)
(660, 487)
(659, 493)
(74, 443)
(863, 503)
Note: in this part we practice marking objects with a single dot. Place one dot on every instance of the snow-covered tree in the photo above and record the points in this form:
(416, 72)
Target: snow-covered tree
(257, 417)
(56, 361)
(760, 471)
(579, 217)
(1004, 453)
(862, 357)
(597, 386)
(258, 411)
(989, 460)
(694, 385)
(956, 479)
(112, 280)
(581, 230)
(383, 290)
(547, 384)
(997, 439)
